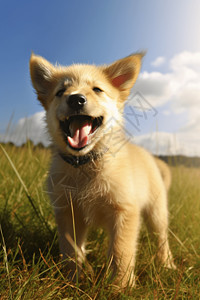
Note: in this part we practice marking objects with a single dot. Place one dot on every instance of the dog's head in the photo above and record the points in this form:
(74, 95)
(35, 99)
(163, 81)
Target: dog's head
(81, 101)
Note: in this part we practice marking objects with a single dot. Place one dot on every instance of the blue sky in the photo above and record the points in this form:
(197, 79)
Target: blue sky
(90, 31)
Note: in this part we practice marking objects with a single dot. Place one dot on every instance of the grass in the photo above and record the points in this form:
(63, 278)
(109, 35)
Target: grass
(30, 266)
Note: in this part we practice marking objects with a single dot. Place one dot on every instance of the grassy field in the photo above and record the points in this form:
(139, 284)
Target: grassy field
(30, 265)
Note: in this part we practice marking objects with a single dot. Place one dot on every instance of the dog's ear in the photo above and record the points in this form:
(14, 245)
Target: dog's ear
(42, 78)
(124, 72)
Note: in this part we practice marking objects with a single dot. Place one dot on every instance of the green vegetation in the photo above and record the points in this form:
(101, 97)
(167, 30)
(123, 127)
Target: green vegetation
(30, 266)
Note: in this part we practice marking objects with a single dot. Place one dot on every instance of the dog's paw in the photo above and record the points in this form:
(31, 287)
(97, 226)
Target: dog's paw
(169, 264)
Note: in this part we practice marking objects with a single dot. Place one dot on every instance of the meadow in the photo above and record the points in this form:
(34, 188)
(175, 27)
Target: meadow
(30, 265)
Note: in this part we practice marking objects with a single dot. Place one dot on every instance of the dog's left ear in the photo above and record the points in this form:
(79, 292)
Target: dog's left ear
(124, 72)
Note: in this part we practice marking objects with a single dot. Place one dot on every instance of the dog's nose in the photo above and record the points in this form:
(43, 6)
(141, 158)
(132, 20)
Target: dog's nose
(76, 101)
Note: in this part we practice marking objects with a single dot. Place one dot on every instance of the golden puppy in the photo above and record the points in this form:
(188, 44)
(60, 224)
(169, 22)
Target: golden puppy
(92, 180)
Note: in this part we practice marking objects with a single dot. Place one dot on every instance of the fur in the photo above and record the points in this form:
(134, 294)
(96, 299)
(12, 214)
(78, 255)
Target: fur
(114, 190)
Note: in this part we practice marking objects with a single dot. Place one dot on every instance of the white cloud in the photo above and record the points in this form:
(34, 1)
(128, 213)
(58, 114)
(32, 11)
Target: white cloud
(184, 142)
(166, 112)
(163, 143)
(159, 143)
(159, 61)
(186, 59)
(32, 128)
(179, 89)
(180, 86)
(155, 87)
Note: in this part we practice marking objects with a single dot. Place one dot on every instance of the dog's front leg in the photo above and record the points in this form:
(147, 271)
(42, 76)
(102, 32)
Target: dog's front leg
(72, 231)
(124, 230)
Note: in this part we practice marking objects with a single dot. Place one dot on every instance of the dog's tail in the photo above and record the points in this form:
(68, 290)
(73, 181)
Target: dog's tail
(165, 172)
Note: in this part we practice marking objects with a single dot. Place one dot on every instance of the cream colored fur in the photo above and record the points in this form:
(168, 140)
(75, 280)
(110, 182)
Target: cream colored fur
(114, 190)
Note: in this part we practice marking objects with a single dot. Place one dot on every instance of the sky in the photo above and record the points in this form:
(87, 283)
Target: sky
(100, 32)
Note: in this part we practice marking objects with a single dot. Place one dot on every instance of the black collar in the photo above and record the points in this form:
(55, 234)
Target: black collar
(77, 161)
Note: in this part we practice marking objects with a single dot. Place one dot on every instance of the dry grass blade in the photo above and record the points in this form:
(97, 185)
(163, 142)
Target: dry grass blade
(38, 214)
(15, 170)
(26, 272)
(6, 263)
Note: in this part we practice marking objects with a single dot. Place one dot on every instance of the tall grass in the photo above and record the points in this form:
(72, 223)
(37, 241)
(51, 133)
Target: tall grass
(30, 266)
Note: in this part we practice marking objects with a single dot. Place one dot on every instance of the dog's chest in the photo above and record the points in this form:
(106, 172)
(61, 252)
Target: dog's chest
(82, 184)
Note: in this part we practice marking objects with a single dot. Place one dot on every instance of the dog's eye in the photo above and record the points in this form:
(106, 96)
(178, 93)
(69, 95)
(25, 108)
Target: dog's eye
(60, 93)
(97, 90)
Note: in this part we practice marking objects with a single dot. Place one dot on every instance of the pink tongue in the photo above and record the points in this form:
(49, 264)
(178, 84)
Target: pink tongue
(80, 133)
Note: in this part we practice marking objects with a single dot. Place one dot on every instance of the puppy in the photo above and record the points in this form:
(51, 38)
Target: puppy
(96, 177)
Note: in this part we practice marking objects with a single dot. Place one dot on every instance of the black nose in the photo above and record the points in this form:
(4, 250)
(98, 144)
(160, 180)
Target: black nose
(76, 101)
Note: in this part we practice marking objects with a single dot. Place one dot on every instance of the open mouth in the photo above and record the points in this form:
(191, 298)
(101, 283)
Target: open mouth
(79, 130)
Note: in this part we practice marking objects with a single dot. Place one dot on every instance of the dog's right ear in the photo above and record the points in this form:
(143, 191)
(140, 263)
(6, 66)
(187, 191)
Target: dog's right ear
(42, 78)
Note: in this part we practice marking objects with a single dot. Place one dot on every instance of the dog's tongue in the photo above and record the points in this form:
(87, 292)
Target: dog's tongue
(79, 131)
